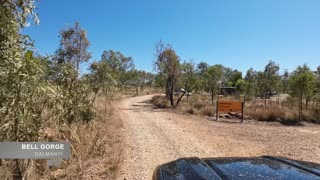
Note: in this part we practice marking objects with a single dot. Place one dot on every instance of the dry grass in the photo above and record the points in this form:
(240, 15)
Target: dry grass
(160, 102)
(96, 147)
(188, 109)
(199, 105)
(207, 111)
(285, 112)
(269, 113)
(6, 170)
(195, 105)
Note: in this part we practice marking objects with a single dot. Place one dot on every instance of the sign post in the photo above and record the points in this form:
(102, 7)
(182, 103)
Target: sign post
(229, 106)
(217, 110)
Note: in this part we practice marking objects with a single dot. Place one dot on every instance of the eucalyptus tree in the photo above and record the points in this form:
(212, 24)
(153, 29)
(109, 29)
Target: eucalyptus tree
(250, 83)
(20, 73)
(118, 66)
(302, 82)
(213, 77)
(268, 80)
(189, 79)
(285, 81)
(201, 69)
(202, 66)
(233, 78)
(317, 87)
(23, 91)
(73, 47)
(168, 65)
(100, 78)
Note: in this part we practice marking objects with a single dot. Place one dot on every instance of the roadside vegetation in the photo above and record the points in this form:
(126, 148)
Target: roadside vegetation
(51, 98)
(269, 95)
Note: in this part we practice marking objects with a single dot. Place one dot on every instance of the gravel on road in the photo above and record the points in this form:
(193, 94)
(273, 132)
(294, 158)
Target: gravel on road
(156, 136)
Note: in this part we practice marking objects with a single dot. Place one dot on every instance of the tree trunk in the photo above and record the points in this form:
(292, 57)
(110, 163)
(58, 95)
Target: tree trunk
(300, 108)
(168, 88)
(178, 101)
(212, 97)
(307, 102)
(265, 100)
(171, 93)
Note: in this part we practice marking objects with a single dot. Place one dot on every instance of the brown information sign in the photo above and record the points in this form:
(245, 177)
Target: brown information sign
(229, 106)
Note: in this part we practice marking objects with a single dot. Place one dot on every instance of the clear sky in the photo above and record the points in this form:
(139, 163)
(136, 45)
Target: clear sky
(236, 33)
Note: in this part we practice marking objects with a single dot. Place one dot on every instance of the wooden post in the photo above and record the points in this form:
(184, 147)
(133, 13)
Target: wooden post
(242, 107)
(217, 111)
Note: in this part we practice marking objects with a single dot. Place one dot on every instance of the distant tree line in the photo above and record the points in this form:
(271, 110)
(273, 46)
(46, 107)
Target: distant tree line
(40, 91)
(173, 73)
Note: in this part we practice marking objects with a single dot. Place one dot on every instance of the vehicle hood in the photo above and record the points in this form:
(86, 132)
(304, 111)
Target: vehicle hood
(265, 167)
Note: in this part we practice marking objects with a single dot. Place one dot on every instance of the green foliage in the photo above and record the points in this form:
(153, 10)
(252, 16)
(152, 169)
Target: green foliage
(159, 80)
(73, 46)
(233, 78)
(213, 75)
(139, 78)
(213, 78)
(118, 66)
(317, 85)
(202, 67)
(242, 86)
(73, 103)
(116, 70)
(23, 98)
(302, 82)
(23, 91)
(21, 11)
(189, 79)
(250, 82)
(268, 80)
(117, 61)
(272, 76)
(168, 65)
(100, 78)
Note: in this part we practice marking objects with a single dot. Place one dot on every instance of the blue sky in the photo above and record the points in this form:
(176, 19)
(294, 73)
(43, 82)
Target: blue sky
(236, 33)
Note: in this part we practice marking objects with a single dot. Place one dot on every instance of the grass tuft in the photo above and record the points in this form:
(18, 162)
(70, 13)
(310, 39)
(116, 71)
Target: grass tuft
(160, 101)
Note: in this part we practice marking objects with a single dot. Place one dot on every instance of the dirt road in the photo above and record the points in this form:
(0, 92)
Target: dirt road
(155, 136)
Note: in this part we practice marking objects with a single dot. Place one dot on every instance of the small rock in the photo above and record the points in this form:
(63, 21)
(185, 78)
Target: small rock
(228, 116)
(232, 113)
